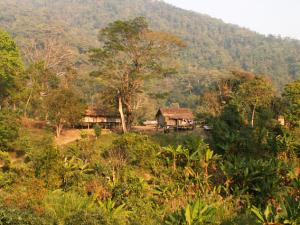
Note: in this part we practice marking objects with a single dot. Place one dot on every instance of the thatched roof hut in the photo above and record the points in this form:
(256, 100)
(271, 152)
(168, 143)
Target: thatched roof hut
(175, 117)
(93, 111)
(102, 116)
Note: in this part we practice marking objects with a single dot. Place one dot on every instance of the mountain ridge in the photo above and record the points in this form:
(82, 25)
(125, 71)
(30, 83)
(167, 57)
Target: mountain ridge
(212, 44)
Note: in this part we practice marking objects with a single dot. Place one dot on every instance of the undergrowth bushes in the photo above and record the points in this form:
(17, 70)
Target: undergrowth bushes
(134, 179)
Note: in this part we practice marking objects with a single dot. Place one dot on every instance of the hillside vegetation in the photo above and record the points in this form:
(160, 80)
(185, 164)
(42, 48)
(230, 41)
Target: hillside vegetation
(211, 44)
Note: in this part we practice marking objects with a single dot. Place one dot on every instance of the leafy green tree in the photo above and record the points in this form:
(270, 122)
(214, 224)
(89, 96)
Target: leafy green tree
(64, 108)
(252, 94)
(209, 105)
(44, 158)
(131, 54)
(9, 129)
(11, 65)
(291, 97)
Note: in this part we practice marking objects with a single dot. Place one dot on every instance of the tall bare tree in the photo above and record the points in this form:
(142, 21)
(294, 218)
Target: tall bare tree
(130, 54)
(51, 67)
(51, 51)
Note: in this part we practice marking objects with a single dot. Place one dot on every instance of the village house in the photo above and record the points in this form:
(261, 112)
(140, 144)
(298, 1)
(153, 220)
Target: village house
(103, 117)
(178, 118)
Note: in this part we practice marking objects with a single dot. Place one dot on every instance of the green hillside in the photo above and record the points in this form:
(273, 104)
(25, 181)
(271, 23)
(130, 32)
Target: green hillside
(212, 44)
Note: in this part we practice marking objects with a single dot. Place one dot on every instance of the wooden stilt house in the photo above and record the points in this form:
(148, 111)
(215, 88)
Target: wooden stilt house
(103, 117)
(180, 118)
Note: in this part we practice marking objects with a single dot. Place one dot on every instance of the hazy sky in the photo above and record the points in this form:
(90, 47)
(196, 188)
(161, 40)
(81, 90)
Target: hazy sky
(264, 16)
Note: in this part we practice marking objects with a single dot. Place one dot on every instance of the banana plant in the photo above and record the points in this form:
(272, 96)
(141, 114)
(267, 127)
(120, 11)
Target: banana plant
(188, 156)
(175, 153)
(167, 192)
(206, 158)
(74, 169)
(287, 213)
(195, 213)
(198, 213)
(112, 211)
(287, 143)
(268, 216)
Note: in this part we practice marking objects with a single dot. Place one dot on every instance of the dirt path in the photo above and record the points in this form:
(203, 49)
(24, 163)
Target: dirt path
(68, 136)
(71, 135)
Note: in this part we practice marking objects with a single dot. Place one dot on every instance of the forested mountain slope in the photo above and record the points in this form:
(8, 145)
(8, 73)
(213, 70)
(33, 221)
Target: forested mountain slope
(212, 44)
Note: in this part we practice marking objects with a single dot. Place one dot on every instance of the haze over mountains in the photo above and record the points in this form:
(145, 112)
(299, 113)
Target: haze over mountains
(212, 44)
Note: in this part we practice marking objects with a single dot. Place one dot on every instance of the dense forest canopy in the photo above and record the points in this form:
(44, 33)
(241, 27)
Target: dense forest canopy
(212, 44)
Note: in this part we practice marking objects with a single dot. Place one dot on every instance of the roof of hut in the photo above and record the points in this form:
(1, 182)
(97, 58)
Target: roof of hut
(176, 113)
(93, 111)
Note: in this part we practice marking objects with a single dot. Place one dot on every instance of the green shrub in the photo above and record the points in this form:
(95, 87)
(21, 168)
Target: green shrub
(9, 129)
(136, 149)
(69, 208)
(83, 134)
(5, 161)
(7, 179)
(261, 179)
(9, 216)
(128, 187)
(65, 206)
(81, 217)
(144, 212)
(45, 159)
(97, 130)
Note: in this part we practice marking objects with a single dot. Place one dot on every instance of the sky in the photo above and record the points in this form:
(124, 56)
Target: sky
(276, 17)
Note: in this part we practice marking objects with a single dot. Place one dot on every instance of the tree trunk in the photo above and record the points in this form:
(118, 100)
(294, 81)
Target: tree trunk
(59, 128)
(129, 118)
(27, 103)
(122, 115)
(253, 115)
